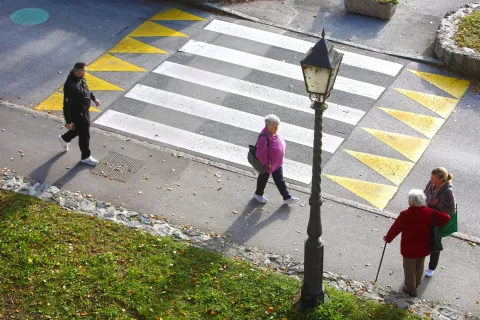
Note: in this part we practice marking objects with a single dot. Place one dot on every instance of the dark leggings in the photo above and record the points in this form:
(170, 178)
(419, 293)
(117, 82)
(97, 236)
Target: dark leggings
(279, 182)
(434, 257)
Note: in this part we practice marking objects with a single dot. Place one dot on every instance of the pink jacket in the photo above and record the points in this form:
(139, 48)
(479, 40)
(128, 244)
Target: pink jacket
(272, 155)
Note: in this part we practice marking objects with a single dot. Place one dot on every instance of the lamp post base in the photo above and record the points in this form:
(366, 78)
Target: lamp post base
(313, 292)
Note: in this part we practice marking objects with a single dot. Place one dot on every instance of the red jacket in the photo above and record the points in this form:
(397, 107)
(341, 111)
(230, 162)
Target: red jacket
(415, 225)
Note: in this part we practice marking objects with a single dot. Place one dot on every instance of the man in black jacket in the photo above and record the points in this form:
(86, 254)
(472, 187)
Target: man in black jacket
(77, 100)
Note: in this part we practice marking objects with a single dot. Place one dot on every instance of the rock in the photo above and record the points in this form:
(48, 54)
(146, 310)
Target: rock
(402, 304)
(179, 235)
(134, 224)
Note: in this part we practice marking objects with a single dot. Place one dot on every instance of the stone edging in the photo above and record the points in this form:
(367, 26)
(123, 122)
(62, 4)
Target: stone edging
(464, 60)
(86, 204)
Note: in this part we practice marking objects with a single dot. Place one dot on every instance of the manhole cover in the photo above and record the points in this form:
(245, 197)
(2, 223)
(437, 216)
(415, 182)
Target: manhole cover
(118, 167)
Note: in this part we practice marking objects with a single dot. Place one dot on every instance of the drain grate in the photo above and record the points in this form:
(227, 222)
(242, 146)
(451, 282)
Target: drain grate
(118, 167)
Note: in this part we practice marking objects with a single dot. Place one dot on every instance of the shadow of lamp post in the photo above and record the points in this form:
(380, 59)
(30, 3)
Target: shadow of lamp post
(320, 68)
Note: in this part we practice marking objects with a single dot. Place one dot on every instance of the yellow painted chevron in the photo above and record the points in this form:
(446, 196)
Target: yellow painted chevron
(456, 87)
(410, 147)
(393, 169)
(130, 45)
(55, 103)
(426, 125)
(176, 14)
(377, 194)
(97, 84)
(107, 62)
(152, 29)
(442, 106)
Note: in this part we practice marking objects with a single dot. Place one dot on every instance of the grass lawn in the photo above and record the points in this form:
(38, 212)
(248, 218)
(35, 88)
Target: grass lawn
(468, 34)
(60, 265)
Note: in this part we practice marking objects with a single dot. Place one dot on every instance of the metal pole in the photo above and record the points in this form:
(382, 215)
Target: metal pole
(381, 260)
(312, 290)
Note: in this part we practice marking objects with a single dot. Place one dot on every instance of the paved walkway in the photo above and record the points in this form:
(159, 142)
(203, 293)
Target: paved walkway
(411, 31)
(187, 191)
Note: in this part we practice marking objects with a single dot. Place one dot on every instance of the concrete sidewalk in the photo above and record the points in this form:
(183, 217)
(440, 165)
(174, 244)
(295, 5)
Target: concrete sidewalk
(410, 32)
(215, 197)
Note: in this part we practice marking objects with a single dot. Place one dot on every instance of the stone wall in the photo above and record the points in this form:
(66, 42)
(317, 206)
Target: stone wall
(462, 60)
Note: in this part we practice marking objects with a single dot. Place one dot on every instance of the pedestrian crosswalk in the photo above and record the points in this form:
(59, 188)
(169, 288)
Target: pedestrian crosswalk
(211, 96)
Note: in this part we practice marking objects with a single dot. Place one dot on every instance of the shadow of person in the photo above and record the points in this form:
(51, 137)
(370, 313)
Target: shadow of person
(423, 287)
(248, 223)
(41, 173)
(67, 177)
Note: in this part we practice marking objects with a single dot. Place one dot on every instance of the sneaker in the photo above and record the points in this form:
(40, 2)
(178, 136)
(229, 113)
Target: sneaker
(291, 200)
(90, 161)
(260, 199)
(429, 273)
(63, 143)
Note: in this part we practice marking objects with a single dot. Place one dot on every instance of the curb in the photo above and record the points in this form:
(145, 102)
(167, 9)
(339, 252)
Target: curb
(416, 58)
(250, 174)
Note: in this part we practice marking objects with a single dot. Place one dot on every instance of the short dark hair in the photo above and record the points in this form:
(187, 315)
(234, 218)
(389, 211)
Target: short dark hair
(79, 65)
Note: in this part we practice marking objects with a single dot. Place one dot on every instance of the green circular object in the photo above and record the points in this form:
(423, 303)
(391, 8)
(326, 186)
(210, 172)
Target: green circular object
(29, 16)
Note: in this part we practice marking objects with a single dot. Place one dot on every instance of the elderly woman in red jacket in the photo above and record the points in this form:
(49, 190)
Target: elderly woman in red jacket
(415, 225)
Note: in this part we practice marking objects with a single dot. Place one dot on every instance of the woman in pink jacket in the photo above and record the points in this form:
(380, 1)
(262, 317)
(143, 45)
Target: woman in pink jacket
(270, 152)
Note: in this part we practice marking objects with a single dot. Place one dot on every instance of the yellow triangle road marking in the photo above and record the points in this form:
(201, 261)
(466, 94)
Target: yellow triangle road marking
(456, 87)
(426, 125)
(442, 106)
(410, 147)
(55, 103)
(130, 45)
(152, 29)
(393, 169)
(107, 62)
(97, 84)
(176, 14)
(377, 194)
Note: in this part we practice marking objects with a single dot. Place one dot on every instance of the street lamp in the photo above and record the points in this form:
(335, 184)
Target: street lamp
(320, 68)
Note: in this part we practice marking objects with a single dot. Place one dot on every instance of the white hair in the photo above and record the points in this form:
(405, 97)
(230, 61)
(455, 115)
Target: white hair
(417, 198)
(272, 119)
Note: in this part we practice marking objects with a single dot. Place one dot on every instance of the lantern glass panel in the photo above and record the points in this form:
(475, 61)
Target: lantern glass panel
(334, 76)
(316, 79)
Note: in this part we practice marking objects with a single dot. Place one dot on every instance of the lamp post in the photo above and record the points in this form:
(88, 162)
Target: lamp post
(320, 68)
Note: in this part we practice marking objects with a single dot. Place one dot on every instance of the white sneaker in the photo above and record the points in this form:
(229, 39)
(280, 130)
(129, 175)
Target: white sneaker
(260, 199)
(63, 143)
(291, 200)
(429, 273)
(90, 161)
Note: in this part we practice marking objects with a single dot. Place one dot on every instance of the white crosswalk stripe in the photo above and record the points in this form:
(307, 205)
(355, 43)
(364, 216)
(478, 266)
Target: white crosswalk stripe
(302, 46)
(226, 123)
(193, 142)
(256, 91)
(276, 67)
(228, 116)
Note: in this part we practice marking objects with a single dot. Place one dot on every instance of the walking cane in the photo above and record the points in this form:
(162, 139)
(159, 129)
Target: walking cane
(381, 260)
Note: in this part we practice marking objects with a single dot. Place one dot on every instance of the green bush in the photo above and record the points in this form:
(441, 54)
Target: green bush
(468, 34)
(389, 1)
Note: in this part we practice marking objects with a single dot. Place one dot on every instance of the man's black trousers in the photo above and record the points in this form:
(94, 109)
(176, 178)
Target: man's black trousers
(82, 130)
